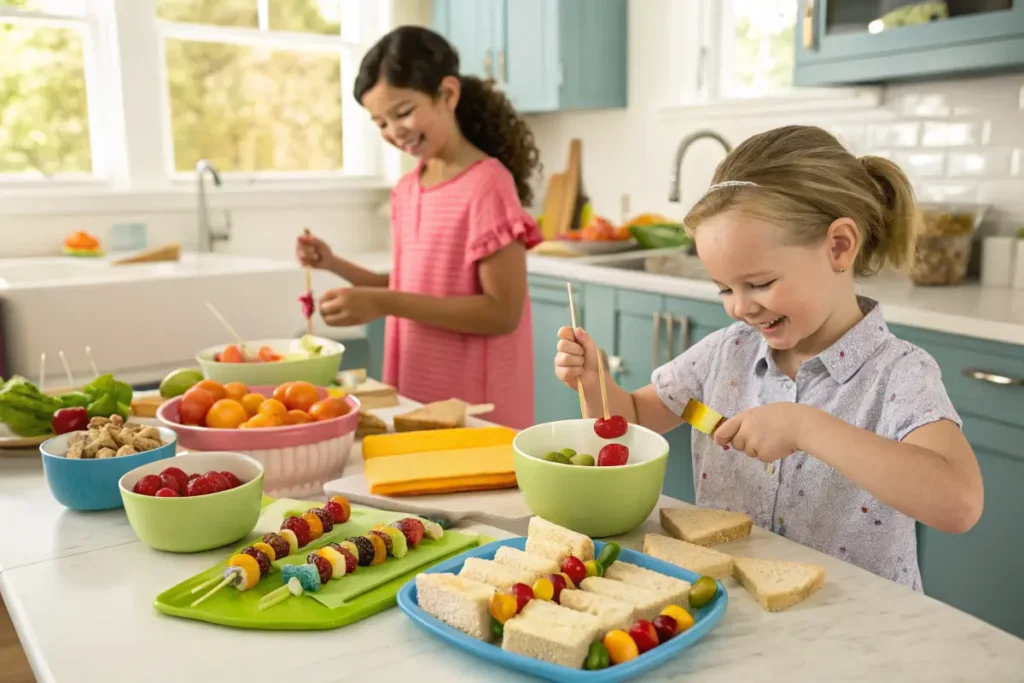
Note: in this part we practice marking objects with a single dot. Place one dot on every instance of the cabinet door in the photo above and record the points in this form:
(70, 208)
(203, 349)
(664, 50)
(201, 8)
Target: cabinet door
(471, 27)
(549, 303)
(638, 317)
(593, 55)
(979, 572)
(529, 64)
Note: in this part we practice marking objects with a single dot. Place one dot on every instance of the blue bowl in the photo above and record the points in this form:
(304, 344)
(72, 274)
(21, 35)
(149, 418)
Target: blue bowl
(93, 484)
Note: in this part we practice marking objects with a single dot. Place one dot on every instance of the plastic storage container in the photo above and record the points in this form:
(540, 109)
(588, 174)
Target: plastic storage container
(942, 250)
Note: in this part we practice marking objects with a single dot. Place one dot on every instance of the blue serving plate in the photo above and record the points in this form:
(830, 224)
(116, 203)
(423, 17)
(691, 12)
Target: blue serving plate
(704, 620)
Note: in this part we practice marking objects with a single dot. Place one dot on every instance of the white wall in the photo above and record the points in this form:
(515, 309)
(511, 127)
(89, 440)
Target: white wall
(959, 140)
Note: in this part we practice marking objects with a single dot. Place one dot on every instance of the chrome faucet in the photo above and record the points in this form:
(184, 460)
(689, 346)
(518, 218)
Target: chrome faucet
(208, 236)
(673, 192)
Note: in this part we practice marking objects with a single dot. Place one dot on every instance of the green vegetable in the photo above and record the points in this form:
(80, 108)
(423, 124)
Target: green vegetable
(25, 409)
(104, 384)
(597, 657)
(567, 452)
(609, 553)
(74, 399)
(582, 459)
(660, 235)
(497, 629)
(108, 397)
(104, 406)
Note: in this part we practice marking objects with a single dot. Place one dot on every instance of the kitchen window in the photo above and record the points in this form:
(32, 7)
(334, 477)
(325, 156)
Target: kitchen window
(132, 93)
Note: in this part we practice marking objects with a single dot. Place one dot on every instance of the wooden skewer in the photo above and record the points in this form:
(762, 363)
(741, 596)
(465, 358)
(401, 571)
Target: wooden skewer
(67, 368)
(227, 326)
(92, 361)
(604, 393)
(42, 369)
(309, 289)
(579, 382)
(229, 579)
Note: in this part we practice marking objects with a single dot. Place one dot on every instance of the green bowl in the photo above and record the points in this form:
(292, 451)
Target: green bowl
(596, 501)
(192, 525)
(319, 370)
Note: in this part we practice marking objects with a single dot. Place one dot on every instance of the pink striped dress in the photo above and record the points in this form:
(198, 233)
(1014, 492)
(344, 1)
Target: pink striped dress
(440, 233)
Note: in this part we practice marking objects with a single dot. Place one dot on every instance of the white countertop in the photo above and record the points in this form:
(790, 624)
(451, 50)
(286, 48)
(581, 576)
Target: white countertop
(969, 310)
(79, 589)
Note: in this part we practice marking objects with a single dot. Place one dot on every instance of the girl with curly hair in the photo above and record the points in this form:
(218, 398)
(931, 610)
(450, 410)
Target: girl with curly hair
(458, 314)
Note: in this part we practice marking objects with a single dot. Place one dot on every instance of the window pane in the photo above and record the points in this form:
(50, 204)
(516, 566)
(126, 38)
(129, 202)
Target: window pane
(64, 7)
(762, 59)
(238, 13)
(44, 123)
(253, 109)
(308, 16)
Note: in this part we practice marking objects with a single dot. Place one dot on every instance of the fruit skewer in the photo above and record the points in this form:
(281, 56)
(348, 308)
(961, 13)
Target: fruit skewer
(307, 299)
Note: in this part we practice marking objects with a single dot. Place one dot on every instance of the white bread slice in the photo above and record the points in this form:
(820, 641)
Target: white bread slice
(705, 526)
(494, 574)
(647, 603)
(611, 613)
(438, 415)
(776, 584)
(578, 544)
(537, 565)
(676, 591)
(536, 632)
(551, 550)
(697, 559)
(458, 602)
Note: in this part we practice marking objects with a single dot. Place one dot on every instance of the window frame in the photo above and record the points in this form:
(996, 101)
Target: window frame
(129, 108)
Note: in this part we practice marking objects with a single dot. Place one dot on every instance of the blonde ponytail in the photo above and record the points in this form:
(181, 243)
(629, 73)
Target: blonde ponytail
(892, 241)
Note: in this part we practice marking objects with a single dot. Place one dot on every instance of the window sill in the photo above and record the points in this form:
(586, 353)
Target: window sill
(799, 100)
(182, 197)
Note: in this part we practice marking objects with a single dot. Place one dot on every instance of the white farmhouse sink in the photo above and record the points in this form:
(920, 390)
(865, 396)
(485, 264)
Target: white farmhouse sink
(140, 320)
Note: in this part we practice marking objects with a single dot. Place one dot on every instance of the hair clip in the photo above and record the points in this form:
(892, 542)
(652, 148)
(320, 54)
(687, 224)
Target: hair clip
(732, 183)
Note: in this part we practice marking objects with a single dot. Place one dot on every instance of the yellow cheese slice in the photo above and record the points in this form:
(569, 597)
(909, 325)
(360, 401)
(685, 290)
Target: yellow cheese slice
(701, 417)
(435, 440)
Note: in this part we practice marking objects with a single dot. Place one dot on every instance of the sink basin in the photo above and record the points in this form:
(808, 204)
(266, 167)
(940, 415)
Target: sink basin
(664, 262)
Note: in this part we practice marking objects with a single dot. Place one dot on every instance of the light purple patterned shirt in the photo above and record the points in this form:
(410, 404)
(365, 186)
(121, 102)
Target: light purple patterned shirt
(869, 378)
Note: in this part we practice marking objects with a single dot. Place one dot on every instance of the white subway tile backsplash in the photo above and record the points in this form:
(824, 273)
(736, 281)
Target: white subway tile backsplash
(1015, 163)
(921, 164)
(936, 191)
(1007, 130)
(924, 104)
(985, 163)
(955, 134)
(853, 136)
(903, 134)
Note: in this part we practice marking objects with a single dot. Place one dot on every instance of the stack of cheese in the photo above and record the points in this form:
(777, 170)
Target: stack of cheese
(775, 584)
(440, 461)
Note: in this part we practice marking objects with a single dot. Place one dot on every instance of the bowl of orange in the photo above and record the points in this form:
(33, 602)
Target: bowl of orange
(299, 433)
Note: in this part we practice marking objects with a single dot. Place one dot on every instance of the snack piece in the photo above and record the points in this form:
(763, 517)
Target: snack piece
(260, 557)
(351, 561)
(290, 538)
(250, 570)
(352, 549)
(541, 632)
(551, 550)
(457, 601)
(448, 414)
(399, 544)
(672, 589)
(299, 527)
(316, 527)
(776, 584)
(680, 616)
(413, 530)
(536, 565)
(696, 558)
(323, 566)
(493, 574)
(338, 564)
(325, 517)
(307, 574)
(340, 509)
(380, 551)
(705, 526)
(611, 613)
(367, 553)
(541, 530)
(432, 530)
(281, 546)
(621, 647)
(646, 602)
(266, 549)
(386, 538)
(700, 417)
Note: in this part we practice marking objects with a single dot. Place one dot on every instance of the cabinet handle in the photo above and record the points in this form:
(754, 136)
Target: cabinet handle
(669, 329)
(701, 62)
(488, 64)
(809, 41)
(656, 346)
(502, 70)
(684, 334)
(993, 378)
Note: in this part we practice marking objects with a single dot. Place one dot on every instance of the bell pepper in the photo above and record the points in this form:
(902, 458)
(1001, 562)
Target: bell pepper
(70, 420)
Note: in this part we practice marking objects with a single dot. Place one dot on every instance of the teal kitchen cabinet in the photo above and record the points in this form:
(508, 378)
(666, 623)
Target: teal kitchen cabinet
(549, 303)
(547, 55)
(843, 42)
(979, 572)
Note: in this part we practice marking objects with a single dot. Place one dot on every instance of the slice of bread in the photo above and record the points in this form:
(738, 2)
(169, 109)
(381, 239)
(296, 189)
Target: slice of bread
(648, 604)
(697, 559)
(675, 591)
(705, 526)
(370, 424)
(612, 614)
(541, 530)
(536, 565)
(551, 550)
(457, 601)
(493, 574)
(543, 633)
(776, 584)
(438, 415)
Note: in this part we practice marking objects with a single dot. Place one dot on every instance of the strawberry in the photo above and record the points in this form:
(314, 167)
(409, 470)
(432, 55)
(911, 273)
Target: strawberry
(178, 476)
(167, 493)
(217, 481)
(412, 529)
(231, 479)
(148, 485)
(300, 528)
(200, 486)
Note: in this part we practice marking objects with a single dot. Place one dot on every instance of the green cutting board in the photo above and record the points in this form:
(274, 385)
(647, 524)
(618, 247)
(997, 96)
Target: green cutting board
(365, 592)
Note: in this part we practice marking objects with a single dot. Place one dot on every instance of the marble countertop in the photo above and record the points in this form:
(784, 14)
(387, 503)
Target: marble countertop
(79, 588)
(969, 310)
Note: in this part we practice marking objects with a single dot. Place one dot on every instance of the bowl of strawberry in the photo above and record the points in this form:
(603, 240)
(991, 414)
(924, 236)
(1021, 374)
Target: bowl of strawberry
(597, 477)
(193, 502)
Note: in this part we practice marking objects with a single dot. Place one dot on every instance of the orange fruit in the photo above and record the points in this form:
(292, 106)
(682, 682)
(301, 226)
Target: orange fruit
(280, 391)
(252, 402)
(215, 389)
(262, 420)
(231, 354)
(300, 396)
(226, 414)
(328, 408)
(194, 404)
(296, 417)
(273, 407)
(235, 390)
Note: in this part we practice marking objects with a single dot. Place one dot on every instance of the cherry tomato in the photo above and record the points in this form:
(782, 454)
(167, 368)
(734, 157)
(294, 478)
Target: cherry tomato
(575, 568)
(665, 626)
(231, 354)
(70, 420)
(215, 389)
(300, 396)
(194, 405)
(543, 589)
(683, 619)
(328, 408)
(611, 428)
(523, 595)
(503, 607)
(644, 635)
(621, 647)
